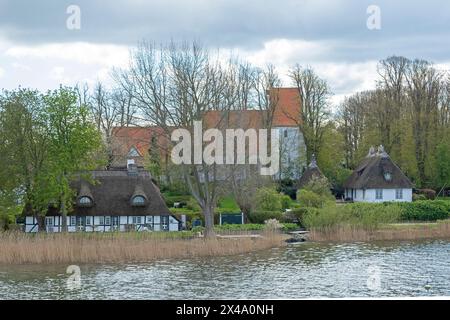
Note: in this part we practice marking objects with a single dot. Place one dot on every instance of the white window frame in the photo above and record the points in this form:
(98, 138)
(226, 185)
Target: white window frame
(88, 221)
(137, 219)
(379, 194)
(73, 220)
(398, 194)
(107, 220)
(85, 200)
(101, 220)
(49, 221)
(140, 203)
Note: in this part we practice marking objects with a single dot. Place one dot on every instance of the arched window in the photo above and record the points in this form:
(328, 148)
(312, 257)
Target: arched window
(85, 201)
(138, 201)
(387, 176)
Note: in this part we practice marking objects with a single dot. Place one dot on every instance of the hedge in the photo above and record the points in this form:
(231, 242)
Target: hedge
(261, 216)
(425, 210)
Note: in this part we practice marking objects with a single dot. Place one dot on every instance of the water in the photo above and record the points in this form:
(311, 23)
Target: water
(302, 271)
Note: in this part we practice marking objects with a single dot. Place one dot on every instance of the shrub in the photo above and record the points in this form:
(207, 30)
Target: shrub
(170, 200)
(417, 197)
(272, 225)
(286, 202)
(320, 186)
(193, 205)
(261, 216)
(424, 210)
(308, 198)
(295, 216)
(430, 194)
(289, 226)
(267, 199)
(365, 215)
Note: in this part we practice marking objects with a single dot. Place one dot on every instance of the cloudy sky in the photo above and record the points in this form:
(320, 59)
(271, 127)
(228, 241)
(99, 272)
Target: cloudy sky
(38, 50)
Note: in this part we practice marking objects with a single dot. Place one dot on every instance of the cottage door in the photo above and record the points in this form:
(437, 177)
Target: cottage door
(115, 223)
(165, 223)
(81, 222)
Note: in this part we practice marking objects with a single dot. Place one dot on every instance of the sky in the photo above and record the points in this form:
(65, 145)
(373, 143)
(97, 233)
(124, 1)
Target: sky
(40, 49)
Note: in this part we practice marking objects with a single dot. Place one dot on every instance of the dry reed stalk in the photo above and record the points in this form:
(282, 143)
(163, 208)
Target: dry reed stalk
(414, 232)
(20, 248)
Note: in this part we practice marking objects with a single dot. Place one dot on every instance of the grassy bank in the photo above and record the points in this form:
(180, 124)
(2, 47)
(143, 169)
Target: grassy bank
(20, 248)
(401, 231)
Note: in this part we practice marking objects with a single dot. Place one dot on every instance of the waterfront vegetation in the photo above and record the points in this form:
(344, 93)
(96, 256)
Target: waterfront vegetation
(93, 248)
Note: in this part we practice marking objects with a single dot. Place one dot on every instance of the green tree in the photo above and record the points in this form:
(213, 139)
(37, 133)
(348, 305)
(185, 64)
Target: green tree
(24, 149)
(73, 145)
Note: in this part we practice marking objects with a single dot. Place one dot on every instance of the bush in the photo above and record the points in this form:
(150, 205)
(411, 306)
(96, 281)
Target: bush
(429, 194)
(286, 202)
(295, 216)
(417, 197)
(273, 225)
(289, 226)
(267, 199)
(308, 198)
(170, 200)
(424, 210)
(365, 215)
(261, 216)
(320, 186)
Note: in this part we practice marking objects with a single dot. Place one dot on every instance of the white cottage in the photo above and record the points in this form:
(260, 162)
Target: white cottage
(378, 179)
(121, 199)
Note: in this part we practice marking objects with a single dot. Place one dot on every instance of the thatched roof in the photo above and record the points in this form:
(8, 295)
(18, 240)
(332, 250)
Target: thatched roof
(313, 171)
(377, 171)
(113, 190)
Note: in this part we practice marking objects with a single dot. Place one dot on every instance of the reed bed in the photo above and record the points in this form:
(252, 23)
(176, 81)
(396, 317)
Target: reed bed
(405, 231)
(20, 248)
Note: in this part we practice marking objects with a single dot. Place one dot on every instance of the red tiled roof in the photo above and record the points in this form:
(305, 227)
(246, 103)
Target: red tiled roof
(286, 114)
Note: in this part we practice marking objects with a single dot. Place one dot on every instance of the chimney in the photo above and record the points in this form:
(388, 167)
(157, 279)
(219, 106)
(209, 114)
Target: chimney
(132, 168)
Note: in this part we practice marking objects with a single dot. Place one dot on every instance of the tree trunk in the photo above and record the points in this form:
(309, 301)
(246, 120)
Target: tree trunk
(63, 217)
(209, 222)
(41, 222)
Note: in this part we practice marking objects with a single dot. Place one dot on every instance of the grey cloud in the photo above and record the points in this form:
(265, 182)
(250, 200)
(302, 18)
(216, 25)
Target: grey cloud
(245, 24)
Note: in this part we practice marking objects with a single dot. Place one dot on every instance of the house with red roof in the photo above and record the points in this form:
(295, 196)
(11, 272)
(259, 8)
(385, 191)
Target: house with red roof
(137, 142)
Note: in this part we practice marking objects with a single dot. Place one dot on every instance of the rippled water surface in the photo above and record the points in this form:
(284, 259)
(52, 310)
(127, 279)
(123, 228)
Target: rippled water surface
(305, 270)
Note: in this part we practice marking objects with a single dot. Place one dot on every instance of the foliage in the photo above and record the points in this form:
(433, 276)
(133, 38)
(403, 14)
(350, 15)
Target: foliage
(228, 203)
(429, 194)
(268, 199)
(261, 216)
(272, 225)
(365, 215)
(371, 215)
(425, 210)
(286, 202)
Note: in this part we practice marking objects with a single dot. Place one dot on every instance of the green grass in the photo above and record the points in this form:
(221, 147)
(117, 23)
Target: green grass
(228, 203)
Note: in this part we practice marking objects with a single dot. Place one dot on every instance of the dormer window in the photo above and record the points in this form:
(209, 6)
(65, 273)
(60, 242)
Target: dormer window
(138, 201)
(387, 176)
(85, 201)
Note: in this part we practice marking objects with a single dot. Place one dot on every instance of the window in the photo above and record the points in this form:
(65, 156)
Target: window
(108, 221)
(73, 221)
(387, 176)
(364, 193)
(85, 201)
(285, 133)
(138, 201)
(399, 194)
(49, 221)
(101, 221)
(88, 221)
(137, 220)
(379, 194)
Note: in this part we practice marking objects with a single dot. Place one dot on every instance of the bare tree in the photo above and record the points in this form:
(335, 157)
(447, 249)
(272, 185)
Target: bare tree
(174, 85)
(314, 94)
